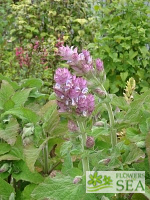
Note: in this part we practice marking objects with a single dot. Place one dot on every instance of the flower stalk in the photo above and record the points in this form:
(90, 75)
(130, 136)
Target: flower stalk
(85, 159)
(112, 121)
(45, 156)
(111, 115)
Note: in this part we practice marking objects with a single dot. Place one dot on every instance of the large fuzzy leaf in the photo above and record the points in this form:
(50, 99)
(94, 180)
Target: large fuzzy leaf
(61, 188)
(23, 113)
(33, 82)
(50, 116)
(25, 174)
(27, 192)
(10, 133)
(20, 97)
(6, 92)
(32, 153)
(4, 148)
(133, 154)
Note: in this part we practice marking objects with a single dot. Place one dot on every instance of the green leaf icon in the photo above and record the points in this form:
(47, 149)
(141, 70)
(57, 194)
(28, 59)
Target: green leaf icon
(94, 179)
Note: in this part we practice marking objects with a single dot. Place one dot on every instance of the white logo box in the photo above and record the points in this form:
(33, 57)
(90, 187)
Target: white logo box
(115, 182)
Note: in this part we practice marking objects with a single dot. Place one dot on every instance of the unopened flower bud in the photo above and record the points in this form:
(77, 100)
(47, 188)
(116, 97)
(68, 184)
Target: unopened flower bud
(72, 126)
(99, 123)
(106, 161)
(76, 180)
(100, 92)
(90, 142)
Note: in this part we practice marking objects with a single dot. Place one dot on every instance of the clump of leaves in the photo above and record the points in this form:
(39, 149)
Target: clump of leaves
(122, 43)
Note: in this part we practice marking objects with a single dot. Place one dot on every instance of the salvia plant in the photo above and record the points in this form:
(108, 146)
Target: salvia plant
(80, 127)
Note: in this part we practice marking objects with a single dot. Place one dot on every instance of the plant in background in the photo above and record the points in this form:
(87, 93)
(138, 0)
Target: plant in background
(122, 41)
(28, 19)
(27, 58)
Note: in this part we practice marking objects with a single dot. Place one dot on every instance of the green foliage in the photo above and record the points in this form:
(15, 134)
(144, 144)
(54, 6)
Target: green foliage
(28, 120)
(122, 42)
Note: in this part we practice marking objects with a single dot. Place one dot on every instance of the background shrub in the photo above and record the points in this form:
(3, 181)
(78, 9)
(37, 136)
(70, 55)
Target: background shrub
(50, 22)
(122, 42)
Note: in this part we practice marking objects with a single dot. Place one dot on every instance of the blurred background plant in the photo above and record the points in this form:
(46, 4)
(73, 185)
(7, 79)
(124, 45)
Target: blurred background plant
(122, 42)
(53, 23)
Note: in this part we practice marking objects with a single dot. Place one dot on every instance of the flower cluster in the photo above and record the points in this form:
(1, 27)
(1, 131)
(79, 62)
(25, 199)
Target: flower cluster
(72, 93)
(82, 63)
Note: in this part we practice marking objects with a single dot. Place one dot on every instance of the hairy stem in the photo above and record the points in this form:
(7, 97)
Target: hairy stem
(85, 159)
(112, 121)
(111, 116)
(45, 156)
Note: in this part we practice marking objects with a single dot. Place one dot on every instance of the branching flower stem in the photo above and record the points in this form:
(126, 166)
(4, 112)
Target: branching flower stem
(111, 116)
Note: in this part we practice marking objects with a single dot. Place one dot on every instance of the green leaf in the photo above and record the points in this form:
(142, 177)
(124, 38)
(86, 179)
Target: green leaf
(4, 148)
(10, 133)
(33, 82)
(66, 147)
(17, 148)
(132, 54)
(25, 174)
(32, 153)
(16, 151)
(20, 97)
(6, 92)
(50, 116)
(60, 188)
(8, 157)
(12, 83)
(67, 165)
(134, 135)
(23, 113)
(120, 102)
(144, 50)
(9, 105)
(60, 130)
(6, 190)
(138, 196)
(124, 75)
(147, 192)
(26, 194)
(81, 21)
(133, 155)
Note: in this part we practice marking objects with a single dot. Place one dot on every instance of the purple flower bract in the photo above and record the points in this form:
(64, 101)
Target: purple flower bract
(72, 93)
